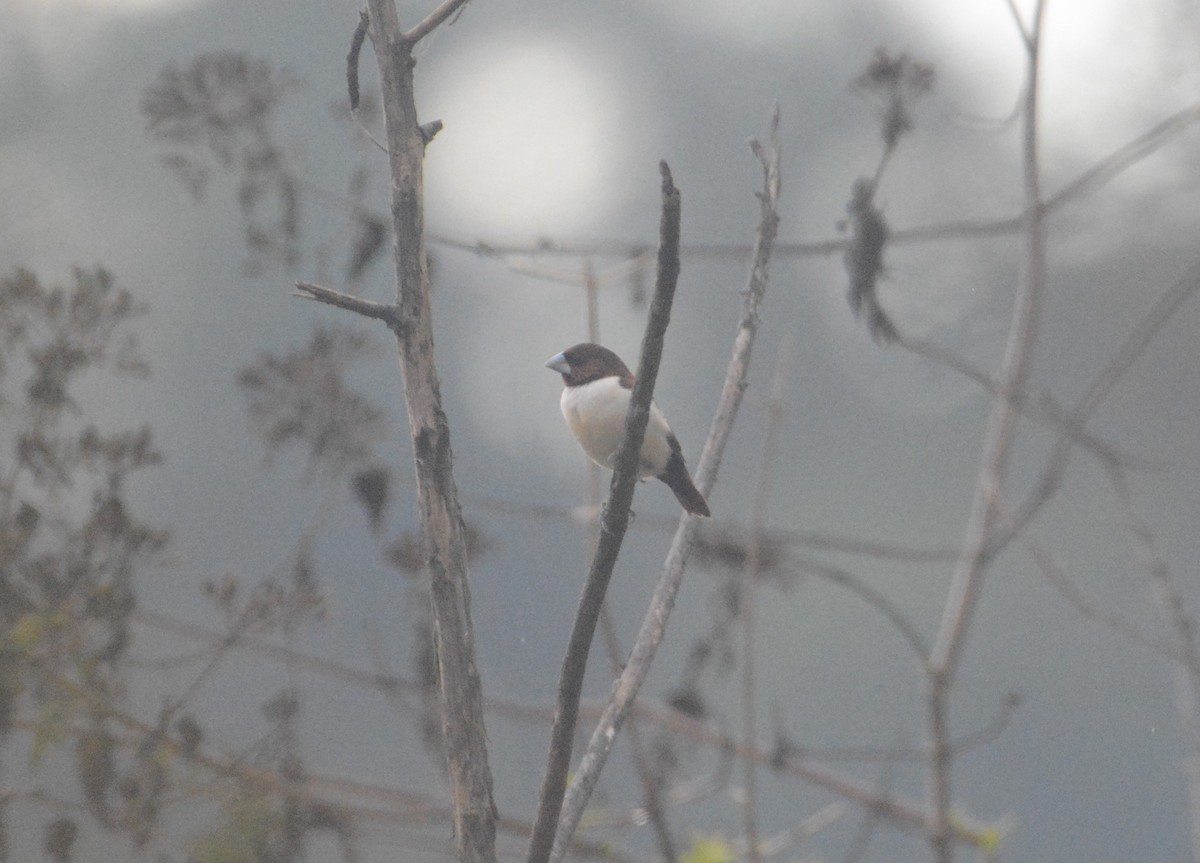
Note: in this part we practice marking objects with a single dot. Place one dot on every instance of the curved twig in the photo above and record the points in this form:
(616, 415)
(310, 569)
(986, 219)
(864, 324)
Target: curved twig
(356, 43)
(876, 600)
(747, 592)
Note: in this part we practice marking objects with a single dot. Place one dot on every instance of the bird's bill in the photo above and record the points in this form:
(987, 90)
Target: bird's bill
(559, 363)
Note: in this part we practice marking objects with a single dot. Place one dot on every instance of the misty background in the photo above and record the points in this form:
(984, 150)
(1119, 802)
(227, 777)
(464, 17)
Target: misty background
(556, 115)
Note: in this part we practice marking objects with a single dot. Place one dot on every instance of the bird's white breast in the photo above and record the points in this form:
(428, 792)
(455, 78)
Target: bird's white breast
(596, 414)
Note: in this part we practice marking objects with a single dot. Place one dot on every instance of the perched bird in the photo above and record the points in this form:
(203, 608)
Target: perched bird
(595, 401)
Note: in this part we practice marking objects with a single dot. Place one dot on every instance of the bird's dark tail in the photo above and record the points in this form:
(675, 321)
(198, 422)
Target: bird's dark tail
(678, 479)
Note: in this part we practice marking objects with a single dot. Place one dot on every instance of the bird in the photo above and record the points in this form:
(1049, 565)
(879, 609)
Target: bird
(595, 399)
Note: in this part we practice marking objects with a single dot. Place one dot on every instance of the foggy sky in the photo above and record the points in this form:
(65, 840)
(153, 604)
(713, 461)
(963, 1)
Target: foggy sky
(556, 114)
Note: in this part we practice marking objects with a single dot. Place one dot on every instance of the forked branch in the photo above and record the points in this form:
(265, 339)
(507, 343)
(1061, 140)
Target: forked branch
(613, 522)
(654, 624)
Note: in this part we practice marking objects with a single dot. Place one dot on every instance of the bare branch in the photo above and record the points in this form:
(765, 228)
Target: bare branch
(811, 539)
(1135, 343)
(790, 839)
(861, 840)
(648, 773)
(387, 313)
(429, 130)
(1124, 157)
(1088, 609)
(747, 589)
(442, 529)
(356, 42)
(366, 801)
(993, 729)
(1091, 179)
(433, 20)
(1182, 629)
(1044, 410)
(985, 513)
(796, 763)
(876, 600)
(646, 709)
(1026, 36)
(614, 520)
(1071, 426)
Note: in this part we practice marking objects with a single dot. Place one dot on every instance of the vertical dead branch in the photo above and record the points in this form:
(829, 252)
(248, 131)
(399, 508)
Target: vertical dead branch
(654, 624)
(986, 512)
(648, 773)
(441, 518)
(747, 592)
(1181, 630)
(613, 522)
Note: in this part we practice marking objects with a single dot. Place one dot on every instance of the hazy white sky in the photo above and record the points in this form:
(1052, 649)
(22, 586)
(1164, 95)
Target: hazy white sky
(556, 113)
(545, 147)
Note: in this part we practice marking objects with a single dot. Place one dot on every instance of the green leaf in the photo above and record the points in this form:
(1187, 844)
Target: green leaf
(709, 849)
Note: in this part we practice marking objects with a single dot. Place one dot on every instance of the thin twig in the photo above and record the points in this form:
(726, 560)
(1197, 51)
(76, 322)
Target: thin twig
(1044, 410)
(654, 625)
(386, 312)
(614, 520)
(1086, 607)
(1182, 628)
(842, 577)
(648, 774)
(1135, 343)
(861, 841)
(790, 839)
(747, 590)
(993, 729)
(365, 801)
(1124, 157)
(1071, 425)
(810, 539)
(986, 733)
(1026, 36)
(1089, 180)
(798, 765)
(433, 20)
(1001, 430)
(390, 685)
(356, 43)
